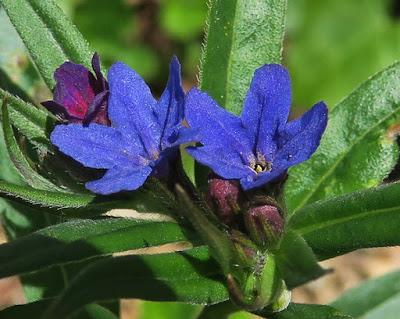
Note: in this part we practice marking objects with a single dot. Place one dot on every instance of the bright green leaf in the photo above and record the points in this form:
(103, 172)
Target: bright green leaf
(242, 35)
(362, 219)
(308, 311)
(358, 149)
(190, 276)
(167, 310)
(48, 34)
(374, 299)
(82, 239)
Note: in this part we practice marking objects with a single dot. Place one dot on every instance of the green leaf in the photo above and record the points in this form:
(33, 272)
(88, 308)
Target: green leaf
(167, 310)
(297, 271)
(362, 219)
(48, 34)
(308, 311)
(358, 149)
(374, 299)
(36, 309)
(190, 276)
(241, 36)
(69, 202)
(81, 239)
(18, 158)
(32, 122)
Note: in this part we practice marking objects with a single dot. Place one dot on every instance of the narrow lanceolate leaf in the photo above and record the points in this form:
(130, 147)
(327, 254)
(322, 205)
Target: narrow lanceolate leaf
(297, 271)
(142, 201)
(358, 149)
(241, 36)
(362, 219)
(48, 34)
(36, 309)
(32, 122)
(189, 276)
(81, 239)
(29, 175)
(44, 198)
(308, 311)
(374, 299)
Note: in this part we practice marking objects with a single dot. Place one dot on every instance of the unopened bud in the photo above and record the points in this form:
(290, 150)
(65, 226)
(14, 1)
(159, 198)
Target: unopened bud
(225, 196)
(246, 249)
(265, 224)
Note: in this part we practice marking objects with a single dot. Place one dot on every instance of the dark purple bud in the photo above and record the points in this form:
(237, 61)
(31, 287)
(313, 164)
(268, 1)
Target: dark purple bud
(79, 95)
(225, 196)
(265, 224)
(245, 248)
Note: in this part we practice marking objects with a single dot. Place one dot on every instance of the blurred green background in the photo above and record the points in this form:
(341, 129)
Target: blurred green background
(331, 46)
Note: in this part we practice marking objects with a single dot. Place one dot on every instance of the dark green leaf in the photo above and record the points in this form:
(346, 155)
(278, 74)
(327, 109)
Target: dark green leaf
(358, 149)
(241, 35)
(36, 309)
(305, 311)
(32, 122)
(48, 34)
(374, 299)
(297, 271)
(18, 158)
(362, 219)
(190, 276)
(81, 239)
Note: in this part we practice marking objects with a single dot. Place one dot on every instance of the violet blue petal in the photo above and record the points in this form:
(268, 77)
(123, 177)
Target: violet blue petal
(169, 110)
(261, 179)
(216, 127)
(97, 146)
(74, 88)
(117, 179)
(301, 137)
(130, 107)
(267, 107)
(224, 163)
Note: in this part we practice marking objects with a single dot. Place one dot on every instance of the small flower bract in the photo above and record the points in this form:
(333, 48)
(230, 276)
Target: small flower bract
(259, 146)
(143, 136)
(79, 95)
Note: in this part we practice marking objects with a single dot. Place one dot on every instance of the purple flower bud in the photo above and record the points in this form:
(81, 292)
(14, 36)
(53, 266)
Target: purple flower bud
(265, 224)
(79, 95)
(225, 196)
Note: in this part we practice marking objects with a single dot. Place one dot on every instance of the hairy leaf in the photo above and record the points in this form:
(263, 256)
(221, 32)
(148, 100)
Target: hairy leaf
(80, 239)
(48, 34)
(297, 271)
(368, 218)
(190, 276)
(242, 35)
(374, 299)
(308, 311)
(358, 149)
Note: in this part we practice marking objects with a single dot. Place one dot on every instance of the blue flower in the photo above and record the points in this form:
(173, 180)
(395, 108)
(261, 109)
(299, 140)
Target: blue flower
(259, 146)
(143, 136)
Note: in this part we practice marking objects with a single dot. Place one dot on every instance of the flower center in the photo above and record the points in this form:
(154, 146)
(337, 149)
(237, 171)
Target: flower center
(262, 167)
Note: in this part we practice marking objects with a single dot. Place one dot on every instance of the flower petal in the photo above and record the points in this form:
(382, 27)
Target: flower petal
(96, 146)
(216, 127)
(301, 137)
(131, 107)
(117, 179)
(267, 106)
(169, 110)
(225, 163)
(74, 88)
(261, 179)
